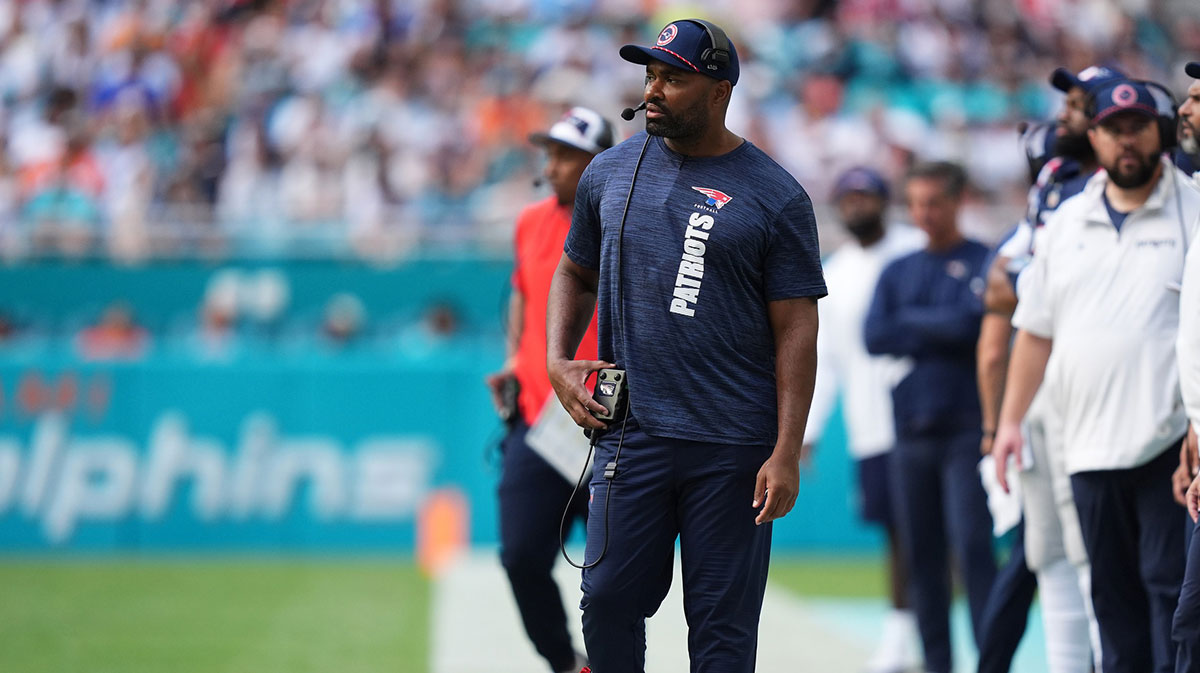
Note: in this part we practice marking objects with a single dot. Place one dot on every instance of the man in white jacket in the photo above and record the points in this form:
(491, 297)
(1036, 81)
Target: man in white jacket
(865, 381)
(1186, 626)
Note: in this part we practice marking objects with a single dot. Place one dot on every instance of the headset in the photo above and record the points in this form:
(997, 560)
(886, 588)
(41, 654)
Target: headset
(1037, 142)
(716, 56)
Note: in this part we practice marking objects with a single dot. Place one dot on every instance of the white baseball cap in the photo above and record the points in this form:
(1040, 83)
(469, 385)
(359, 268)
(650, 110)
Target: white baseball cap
(581, 128)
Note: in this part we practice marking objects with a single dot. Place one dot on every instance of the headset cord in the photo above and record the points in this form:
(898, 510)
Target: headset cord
(610, 470)
(621, 244)
(610, 473)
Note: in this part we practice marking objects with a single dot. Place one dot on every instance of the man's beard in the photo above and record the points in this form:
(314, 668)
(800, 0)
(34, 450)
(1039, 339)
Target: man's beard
(864, 226)
(682, 124)
(1075, 146)
(1188, 141)
(1190, 146)
(1135, 178)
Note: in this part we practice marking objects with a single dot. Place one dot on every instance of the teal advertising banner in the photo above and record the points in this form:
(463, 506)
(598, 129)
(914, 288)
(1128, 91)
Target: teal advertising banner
(265, 455)
(279, 445)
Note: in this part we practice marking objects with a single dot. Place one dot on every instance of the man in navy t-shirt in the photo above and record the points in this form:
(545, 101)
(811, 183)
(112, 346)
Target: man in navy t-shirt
(702, 253)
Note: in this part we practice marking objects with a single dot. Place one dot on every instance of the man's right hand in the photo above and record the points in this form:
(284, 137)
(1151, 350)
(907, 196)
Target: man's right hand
(1182, 479)
(1193, 500)
(495, 383)
(569, 378)
(1008, 442)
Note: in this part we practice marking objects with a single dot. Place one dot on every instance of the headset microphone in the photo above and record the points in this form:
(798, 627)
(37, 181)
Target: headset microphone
(539, 181)
(627, 113)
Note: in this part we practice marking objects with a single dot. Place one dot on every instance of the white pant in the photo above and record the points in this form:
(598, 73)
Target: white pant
(1052, 529)
(1054, 547)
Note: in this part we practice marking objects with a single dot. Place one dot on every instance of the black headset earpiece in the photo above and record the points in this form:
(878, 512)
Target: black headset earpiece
(1089, 106)
(716, 57)
(1168, 113)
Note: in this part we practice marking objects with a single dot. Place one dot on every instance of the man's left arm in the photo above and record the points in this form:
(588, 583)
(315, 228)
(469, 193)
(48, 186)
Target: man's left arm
(953, 325)
(794, 326)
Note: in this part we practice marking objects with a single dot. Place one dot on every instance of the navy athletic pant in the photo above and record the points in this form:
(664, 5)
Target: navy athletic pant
(1186, 628)
(532, 498)
(941, 506)
(1135, 544)
(1007, 612)
(700, 493)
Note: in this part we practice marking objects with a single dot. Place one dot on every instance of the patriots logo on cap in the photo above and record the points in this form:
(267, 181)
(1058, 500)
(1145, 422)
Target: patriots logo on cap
(1092, 72)
(715, 198)
(1124, 95)
(667, 34)
(581, 124)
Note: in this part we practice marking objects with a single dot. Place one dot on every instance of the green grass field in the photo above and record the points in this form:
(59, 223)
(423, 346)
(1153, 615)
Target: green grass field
(830, 577)
(260, 616)
(213, 617)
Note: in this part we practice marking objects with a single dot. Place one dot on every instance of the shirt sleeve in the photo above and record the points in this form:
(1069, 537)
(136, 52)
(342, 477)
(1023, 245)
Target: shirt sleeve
(583, 239)
(1019, 243)
(881, 333)
(1034, 311)
(793, 261)
(1188, 344)
(826, 387)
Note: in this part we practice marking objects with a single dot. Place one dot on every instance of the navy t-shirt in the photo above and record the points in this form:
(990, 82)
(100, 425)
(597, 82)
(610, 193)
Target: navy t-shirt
(1117, 217)
(708, 242)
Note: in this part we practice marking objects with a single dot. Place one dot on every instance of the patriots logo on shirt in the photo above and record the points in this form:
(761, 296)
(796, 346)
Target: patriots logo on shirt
(1054, 197)
(715, 198)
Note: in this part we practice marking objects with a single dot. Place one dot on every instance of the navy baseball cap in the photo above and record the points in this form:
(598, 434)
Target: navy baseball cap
(581, 128)
(860, 179)
(1192, 69)
(1089, 79)
(682, 44)
(1123, 96)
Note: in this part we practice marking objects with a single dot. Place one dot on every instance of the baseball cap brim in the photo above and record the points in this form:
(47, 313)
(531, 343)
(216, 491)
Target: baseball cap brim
(640, 55)
(581, 129)
(1192, 69)
(1064, 80)
(543, 139)
(1137, 108)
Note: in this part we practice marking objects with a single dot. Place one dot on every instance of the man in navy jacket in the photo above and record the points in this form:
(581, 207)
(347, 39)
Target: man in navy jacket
(927, 307)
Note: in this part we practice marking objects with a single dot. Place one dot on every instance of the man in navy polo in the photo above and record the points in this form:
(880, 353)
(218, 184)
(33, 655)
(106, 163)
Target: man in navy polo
(702, 253)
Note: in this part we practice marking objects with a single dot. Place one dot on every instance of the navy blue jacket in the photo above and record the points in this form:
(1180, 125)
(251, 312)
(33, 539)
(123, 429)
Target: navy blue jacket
(927, 307)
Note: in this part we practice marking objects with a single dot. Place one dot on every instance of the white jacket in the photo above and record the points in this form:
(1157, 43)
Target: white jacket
(1110, 302)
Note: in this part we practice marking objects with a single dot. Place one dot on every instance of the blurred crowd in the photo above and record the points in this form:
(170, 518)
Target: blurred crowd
(370, 128)
(241, 314)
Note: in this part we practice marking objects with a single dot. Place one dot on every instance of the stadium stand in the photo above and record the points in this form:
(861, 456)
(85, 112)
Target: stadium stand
(347, 128)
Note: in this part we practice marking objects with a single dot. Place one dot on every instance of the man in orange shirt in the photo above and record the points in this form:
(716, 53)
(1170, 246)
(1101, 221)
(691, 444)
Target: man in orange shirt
(532, 493)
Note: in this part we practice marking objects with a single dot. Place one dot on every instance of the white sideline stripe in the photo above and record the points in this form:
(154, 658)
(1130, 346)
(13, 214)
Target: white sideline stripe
(476, 627)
